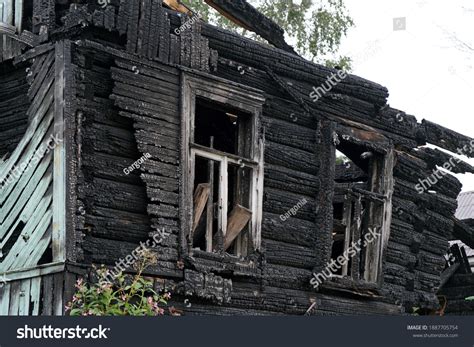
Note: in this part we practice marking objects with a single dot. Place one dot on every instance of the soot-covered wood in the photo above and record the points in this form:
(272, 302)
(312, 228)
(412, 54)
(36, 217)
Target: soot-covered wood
(126, 96)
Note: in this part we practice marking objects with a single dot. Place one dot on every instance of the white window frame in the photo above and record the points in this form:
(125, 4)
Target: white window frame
(245, 99)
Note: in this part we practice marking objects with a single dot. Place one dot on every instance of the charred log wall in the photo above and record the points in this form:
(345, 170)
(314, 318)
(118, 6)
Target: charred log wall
(14, 103)
(128, 106)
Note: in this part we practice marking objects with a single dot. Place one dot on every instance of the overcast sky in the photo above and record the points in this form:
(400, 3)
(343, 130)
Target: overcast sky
(428, 66)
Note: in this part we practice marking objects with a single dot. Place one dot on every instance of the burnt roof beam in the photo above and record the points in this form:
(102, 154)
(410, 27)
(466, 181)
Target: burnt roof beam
(248, 17)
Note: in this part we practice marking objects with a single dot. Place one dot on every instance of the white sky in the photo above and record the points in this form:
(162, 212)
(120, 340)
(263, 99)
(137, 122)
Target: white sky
(428, 73)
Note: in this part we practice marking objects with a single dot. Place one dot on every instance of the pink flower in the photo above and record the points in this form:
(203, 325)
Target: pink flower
(79, 283)
(150, 302)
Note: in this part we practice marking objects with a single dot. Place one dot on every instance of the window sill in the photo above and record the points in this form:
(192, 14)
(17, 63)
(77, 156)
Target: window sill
(226, 263)
(360, 288)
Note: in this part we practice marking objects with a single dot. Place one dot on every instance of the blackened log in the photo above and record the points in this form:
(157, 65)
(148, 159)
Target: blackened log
(463, 232)
(448, 139)
(245, 15)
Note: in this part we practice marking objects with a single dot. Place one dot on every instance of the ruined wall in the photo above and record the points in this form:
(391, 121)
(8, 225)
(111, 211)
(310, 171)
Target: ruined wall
(126, 101)
(128, 106)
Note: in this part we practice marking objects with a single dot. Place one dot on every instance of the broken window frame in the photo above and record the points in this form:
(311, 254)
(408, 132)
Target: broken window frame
(378, 197)
(247, 100)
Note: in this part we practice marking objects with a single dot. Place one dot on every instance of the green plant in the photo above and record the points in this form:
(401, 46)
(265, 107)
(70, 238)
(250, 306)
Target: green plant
(127, 296)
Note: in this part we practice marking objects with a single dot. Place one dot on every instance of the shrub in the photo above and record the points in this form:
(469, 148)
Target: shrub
(126, 296)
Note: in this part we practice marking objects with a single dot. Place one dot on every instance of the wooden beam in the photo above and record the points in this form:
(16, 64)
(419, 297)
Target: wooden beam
(246, 16)
(448, 139)
(459, 254)
(178, 6)
(463, 232)
(447, 274)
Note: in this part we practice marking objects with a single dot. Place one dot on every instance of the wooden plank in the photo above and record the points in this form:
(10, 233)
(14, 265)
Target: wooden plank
(447, 274)
(27, 208)
(37, 243)
(58, 283)
(18, 254)
(24, 301)
(35, 293)
(201, 196)
(47, 295)
(38, 118)
(8, 11)
(5, 299)
(41, 270)
(27, 183)
(19, 15)
(238, 219)
(14, 298)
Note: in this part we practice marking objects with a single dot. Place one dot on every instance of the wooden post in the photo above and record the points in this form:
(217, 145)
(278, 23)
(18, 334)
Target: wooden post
(347, 219)
(210, 201)
(18, 15)
(59, 168)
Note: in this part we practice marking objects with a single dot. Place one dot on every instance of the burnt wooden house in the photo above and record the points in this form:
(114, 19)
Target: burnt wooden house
(238, 166)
